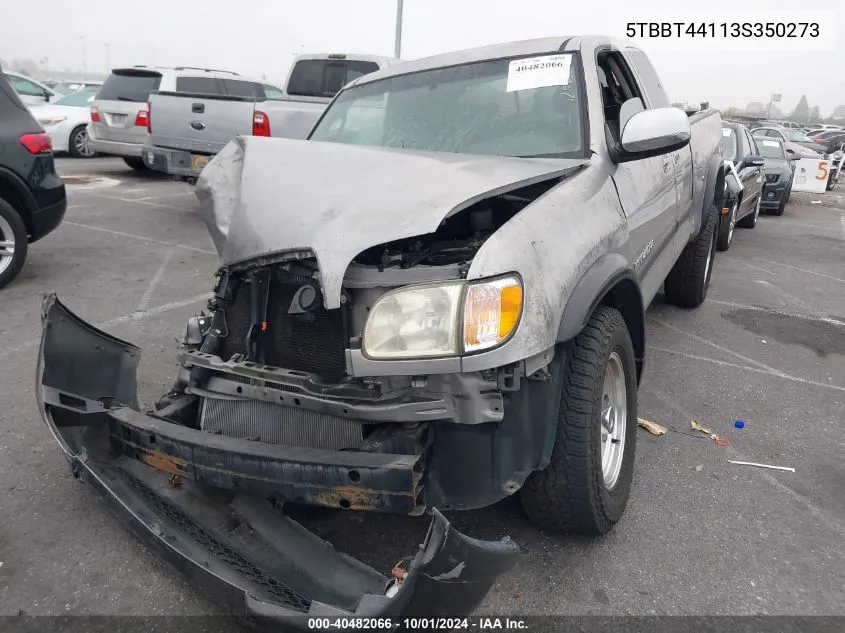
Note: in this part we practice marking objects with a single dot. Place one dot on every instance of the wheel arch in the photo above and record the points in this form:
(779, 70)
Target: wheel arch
(609, 281)
(14, 191)
(714, 191)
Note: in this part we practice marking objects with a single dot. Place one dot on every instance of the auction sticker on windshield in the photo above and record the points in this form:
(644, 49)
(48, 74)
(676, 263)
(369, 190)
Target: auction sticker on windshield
(538, 72)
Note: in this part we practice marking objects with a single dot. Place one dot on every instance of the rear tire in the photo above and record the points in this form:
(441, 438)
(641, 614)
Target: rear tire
(727, 224)
(12, 235)
(135, 163)
(750, 221)
(579, 491)
(78, 145)
(687, 283)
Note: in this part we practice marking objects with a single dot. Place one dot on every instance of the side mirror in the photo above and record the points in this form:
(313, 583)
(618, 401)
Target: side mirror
(652, 133)
(752, 160)
(47, 96)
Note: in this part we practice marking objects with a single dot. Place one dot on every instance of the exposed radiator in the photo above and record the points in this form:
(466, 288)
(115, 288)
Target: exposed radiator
(277, 424)
(315, 343)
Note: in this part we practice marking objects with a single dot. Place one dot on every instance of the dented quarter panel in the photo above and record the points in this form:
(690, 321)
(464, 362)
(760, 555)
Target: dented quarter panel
(269, 196)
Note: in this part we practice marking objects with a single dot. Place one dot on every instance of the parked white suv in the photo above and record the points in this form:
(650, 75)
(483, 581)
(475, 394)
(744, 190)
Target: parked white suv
(119, 114)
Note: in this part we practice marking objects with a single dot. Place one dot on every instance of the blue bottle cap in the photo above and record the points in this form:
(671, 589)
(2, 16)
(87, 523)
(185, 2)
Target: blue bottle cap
(739, 424)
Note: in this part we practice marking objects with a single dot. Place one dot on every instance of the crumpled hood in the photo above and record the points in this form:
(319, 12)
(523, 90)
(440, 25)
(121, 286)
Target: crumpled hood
(266, 196)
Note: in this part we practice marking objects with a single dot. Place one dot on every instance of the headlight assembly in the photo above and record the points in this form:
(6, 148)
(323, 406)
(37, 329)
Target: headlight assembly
(433, 320)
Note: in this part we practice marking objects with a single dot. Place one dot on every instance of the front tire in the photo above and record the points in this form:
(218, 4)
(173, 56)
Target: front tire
(726, 229)
(586, 486)
(687, 283)
(750, 221)
(13, 243)
(135, 163)
(78, 145)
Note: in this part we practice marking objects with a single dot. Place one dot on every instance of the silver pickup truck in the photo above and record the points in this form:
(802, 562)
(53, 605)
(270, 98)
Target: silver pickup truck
(434, 302)
(187, 127)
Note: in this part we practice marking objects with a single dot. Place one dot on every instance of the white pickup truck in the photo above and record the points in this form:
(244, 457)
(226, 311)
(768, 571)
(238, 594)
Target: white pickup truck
(187, 127)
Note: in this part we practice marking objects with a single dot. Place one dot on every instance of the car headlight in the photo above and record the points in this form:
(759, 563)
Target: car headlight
(52, 120)
(431, 320)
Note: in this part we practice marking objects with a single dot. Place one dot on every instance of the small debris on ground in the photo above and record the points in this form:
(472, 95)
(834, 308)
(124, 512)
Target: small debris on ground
(720, 441)
(787, 468)
(739, 424)
(652, 427)
(699, 468)
(696, 426)
(815, 201)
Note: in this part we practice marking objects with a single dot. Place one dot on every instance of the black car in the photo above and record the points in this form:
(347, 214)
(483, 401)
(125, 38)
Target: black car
(32, 196)
(740, 151)
(830, 141)
(779, 170)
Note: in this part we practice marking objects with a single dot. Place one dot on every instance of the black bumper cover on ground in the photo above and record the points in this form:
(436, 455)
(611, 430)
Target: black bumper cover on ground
(234, 546)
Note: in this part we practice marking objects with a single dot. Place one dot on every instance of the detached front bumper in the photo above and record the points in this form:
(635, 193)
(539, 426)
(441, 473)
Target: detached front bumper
(200, 501)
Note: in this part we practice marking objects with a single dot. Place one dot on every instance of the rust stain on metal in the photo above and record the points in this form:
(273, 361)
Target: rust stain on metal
(346, 497)
(164, 463)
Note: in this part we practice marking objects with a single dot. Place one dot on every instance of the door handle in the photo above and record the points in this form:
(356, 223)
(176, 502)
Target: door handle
(667, 164)
(677, 158)
(199, 108)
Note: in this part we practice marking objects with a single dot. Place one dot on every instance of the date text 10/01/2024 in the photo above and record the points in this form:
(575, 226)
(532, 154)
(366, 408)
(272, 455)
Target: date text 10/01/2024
(723, 29)
(480, 624)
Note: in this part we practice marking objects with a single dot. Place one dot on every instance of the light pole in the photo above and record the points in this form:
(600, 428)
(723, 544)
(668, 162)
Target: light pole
(397, 46)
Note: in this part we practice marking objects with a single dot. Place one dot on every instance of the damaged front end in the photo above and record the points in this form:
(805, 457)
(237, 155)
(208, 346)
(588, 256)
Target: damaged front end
(208, 501)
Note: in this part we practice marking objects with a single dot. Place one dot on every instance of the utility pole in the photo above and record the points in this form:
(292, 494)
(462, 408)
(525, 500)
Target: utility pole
(397, 46)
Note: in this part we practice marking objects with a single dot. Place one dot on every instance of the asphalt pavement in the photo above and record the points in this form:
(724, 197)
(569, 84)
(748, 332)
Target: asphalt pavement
(700, 536)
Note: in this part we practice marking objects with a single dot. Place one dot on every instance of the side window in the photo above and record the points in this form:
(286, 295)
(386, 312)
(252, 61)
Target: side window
(651, 81)
(617, 86)
(240, 88)
(199, 85)
(25, 87)
(272, 92)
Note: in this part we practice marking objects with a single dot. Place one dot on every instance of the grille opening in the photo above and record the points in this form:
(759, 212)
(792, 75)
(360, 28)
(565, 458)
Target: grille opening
(314, 343)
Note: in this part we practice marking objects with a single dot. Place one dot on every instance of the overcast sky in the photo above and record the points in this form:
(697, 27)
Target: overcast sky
(260, 37)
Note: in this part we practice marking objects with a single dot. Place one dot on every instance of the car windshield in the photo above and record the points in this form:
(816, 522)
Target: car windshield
(728, 144)
(797, 137)
(508, 107)
(78, 98)
(770, 148)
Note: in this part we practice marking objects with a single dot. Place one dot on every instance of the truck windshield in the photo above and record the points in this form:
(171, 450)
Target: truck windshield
(508, 107)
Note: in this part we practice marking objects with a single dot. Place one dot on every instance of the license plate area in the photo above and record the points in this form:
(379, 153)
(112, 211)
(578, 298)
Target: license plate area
(198, 162)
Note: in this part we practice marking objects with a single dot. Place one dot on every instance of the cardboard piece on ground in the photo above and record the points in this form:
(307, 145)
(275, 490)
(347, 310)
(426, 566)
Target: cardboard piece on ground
(652, 427)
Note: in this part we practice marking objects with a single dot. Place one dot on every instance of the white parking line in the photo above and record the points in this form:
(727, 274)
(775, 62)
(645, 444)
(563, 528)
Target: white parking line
(842, 225)
(804, 270)
(730, 352)
(134, 316)
(724, 363)
(140, 237)
(783, 293)
(122, 199)
(148, 293)
(810, 317)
